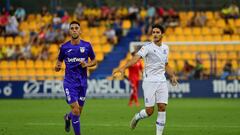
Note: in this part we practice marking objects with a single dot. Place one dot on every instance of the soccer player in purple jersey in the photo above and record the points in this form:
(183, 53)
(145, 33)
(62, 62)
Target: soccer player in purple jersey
(75, 54)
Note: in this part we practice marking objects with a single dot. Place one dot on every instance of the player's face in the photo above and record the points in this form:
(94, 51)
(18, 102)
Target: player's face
(157, 35)
(75, 31)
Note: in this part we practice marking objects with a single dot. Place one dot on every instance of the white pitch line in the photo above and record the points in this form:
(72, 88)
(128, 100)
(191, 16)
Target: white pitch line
(127, 125)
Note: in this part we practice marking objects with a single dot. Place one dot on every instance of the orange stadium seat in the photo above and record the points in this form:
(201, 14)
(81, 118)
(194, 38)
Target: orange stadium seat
(9, 41)
(2, 41)
(237, 22)
(3, 64)
(99, 56)
(221, 23)
(97, 48)
(38, 64)
(21, 64)
(18, 40)
(205, 31)
(126, 24)
(220, 48)
(209, 15)
(196, 31)
(29, 64)
(106, 48)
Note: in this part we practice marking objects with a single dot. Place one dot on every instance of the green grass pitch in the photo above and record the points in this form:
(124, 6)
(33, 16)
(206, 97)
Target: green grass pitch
(112, 116)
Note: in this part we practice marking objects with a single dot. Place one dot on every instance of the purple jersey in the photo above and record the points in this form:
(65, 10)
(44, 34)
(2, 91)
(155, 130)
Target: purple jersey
(72, 55)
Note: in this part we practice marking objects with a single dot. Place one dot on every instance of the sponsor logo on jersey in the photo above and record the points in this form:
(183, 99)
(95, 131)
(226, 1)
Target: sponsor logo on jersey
(75, 59)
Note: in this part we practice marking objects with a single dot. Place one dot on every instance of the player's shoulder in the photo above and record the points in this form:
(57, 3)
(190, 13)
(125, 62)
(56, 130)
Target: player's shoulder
(87, 43)
(147, 44)
(165, 46)
(65, 44)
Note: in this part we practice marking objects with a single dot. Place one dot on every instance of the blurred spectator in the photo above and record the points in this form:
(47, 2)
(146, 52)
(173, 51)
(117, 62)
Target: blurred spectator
(3, 23)
(117, 28)
(133, 12)
(187, 71)
(198, 19)
(172, 19)
(56, 21)
(50, 35)
(59, 11)
(227, 70)
(151, 11)
(17, 53)
(79, 11)
(20, 14)
(10, 52)
(111, 34)
(11, 10)
(12, 26)
(44, 55)
(198, 70)
(26, 51)
(228, 29)
(231, 11)
(2, 54)
(44, 11)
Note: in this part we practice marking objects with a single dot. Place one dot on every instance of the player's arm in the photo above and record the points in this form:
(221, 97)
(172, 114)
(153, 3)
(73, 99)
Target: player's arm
(170, 72)
(129, 63)
(58, 66)
(89, 64)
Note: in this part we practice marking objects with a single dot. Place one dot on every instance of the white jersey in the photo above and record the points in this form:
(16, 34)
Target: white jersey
(155, 57)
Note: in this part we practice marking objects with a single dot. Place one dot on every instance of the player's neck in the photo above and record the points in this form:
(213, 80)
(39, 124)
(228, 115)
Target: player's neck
(159, 43)
(75, 41)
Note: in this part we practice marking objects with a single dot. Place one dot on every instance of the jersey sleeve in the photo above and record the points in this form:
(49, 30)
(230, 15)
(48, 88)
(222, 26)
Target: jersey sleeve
(166, 61)
(143, 51)
(91, 54)
(61, 54)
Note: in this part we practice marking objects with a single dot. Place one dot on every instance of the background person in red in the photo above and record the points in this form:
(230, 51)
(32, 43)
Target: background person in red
(134, 76)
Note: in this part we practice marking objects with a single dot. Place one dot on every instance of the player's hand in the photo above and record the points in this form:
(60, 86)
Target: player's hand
(57, 68)
(173, 80)
(116, 73)
(83, 64)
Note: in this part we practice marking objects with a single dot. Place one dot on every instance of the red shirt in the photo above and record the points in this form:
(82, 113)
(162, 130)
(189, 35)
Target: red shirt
(134, 71)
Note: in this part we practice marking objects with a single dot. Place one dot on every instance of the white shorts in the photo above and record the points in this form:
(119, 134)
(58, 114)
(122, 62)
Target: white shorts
(155, 92)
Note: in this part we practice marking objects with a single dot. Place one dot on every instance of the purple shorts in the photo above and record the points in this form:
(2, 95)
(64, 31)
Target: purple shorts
(75, 93)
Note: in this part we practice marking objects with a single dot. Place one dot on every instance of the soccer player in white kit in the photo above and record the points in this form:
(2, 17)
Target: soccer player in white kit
(155, 55)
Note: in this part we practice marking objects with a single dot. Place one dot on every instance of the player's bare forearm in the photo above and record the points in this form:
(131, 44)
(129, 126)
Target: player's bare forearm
(131, 62)
(58, 66)
(169, 71)
(92, 63)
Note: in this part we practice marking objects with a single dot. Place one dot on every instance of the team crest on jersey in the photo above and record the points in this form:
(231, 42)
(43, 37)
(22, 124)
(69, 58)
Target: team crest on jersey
(164, 51)
(82, 49)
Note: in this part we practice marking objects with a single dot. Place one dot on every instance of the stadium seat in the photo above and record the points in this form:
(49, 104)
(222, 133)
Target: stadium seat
(47, 64)
(229, 48)
(126, 24)
(18, 40)
(99, 56)
(29, 64)
(205, 31)
(3, 65)
(209, 15)
(196, 31)
(23, 74)
(187, 31)
(97, 48)
(221, 23)
(21, 64)
(9, 41)
(12, 64)
(237, 22)
(5, 74)
(2, 41)
(220, 48)
(38, 64)
(222, 56)
(178, 31)
(107, 48)
(232, 55)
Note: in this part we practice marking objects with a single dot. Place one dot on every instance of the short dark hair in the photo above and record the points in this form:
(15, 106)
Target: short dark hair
(74, 22)
(159, 27)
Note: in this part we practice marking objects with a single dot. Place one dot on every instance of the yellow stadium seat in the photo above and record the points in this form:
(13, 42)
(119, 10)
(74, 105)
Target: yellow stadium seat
(217, 38)
(9, 41)
(107, 48)
(12, 64)
(4, 74)
(96, 40)
(187, 31)
(97, 48)
(229, 48)
(178, 31)
(99, 56)
(237, 22)
(38, 64)
(199, 38)
(103, 40)
(204, 56)
(209, 15)
(207, 64)
(226, 38)
(84, 23)
(237, 48)
(215, 31)
(171, 38)
(94, 32)
(21, 64)
(3, 64)
(40, 74)
(31, 74)
(196, 31)
(176, 55)
(189, 38)
(126, 24)
(211, 48)
(47, 64)
(208, 38)
(29, 64)
(23, 26)
(13, 74)
(53, 48)
(180, 64)
(23, 74)
(235, 37)
(220, 48)
(2, 41)
(205, 31)
(232, 55)
(31, 17)
(221, 23)
(49, 73)
(18, 40)
(169, 31)
(190, 14)
(192, 48)
(188, 55)
(222, 56)
(181, 38)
